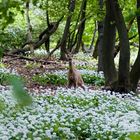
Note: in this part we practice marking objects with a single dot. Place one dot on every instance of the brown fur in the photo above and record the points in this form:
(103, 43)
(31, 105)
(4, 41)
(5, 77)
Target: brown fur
(74, 77)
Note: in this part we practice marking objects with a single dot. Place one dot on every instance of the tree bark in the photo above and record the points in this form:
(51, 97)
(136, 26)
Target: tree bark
(108, 46)
(135, 71)
(29, 27)
(72, 38)
(117, 47)
(93, 37)
(95, 52)
(47, 42)
(81, 27)
(100, 45)
(123, 74)
(63, 41)
(100, 39)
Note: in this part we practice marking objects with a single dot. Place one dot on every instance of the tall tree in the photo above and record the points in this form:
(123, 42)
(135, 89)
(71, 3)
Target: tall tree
(114, 18)
(29, 27)
(108, 46)
(123, 73)
(81, 26)
(135, 72)
(63, 41)
(100, 39)
(47, 43)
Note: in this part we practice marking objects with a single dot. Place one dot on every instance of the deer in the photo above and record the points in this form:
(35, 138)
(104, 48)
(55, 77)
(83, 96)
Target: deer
(74, 76)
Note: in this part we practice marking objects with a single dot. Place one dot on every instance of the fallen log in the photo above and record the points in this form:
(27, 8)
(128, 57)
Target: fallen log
(15, 57)
(41, 39)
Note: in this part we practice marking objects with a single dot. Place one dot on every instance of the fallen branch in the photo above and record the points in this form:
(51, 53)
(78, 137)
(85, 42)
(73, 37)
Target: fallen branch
(42, 39)
(29, 59)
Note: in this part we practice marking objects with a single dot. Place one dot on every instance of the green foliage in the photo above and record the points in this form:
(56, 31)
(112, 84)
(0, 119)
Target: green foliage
(62, 79)
(5, 78)
(49, 79)
(12, 38)
(77, 101)
(92, 79)
(20, 93)
(72, 115)
(134, 136)
(8, 10)
(2, 105)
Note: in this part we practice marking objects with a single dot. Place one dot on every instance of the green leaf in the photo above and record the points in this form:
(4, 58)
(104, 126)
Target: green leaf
(134, 136)
(2, 105)
(20, 93)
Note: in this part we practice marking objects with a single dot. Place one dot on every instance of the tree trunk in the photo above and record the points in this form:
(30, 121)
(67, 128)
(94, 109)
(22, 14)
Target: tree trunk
(93, 37)
(135, 72)
(72, 38)
(123, 74)
(100, 45)
(100, 39)
(81, 27)
(95, 52)
(63, 41)
(47, 42)
(29, 27)
(117, 47)
(108, 46)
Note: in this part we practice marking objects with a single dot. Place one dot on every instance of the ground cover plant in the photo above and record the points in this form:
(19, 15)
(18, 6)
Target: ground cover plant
(60, 78)
(70, 114)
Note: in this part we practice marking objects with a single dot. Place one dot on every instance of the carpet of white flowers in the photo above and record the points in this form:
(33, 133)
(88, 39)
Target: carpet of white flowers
(69, 114)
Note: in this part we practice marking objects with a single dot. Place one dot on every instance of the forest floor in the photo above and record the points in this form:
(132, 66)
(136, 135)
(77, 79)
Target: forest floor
(27, 69)
(70, 114)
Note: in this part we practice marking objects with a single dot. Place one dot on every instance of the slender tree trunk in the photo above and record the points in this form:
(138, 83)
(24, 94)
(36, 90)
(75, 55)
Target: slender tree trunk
(29, 27)
(108, 46)
(72, 38)
(63, 42)
(93, 37)
(100, 45)
(135, 72)
(47, 42)
(64, 39)
(82, 26)
(95, 52)
(100, 39)
(123, 74)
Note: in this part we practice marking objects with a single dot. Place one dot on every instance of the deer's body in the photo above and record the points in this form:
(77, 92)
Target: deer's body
(74, 77)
